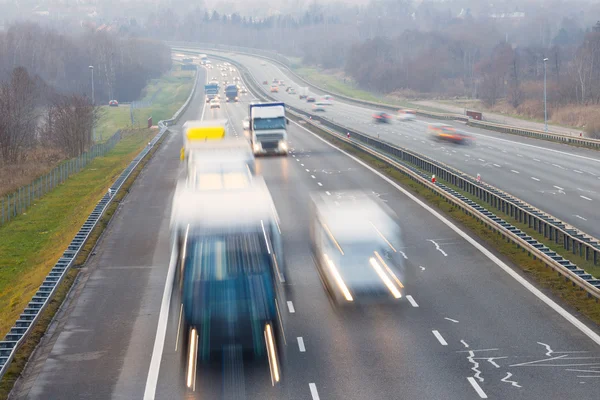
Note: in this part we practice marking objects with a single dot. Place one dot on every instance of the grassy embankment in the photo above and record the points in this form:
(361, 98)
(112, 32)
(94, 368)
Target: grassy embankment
(32, 242)
(535, 270)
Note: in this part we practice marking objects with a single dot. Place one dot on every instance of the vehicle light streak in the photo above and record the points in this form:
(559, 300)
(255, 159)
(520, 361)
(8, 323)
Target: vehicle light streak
(390, 285)
(333, 238)
(266, 239)
(191, 375)
(389, 270)
(383, 237)
(338, 279)
(272, 354)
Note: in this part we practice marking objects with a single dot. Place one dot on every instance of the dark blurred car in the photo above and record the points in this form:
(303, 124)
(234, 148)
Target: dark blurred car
(265, 82)
(310, 99)
(382, 117)
(113, 103)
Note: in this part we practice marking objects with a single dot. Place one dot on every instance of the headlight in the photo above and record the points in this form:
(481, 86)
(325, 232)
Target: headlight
(283, 145)
(256, 146)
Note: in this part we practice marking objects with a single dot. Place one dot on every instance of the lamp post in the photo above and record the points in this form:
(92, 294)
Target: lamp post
(93, 101)
(545, 107)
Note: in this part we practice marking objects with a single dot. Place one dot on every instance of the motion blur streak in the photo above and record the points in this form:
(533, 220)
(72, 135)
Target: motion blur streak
(333, 238)
(272, 354)
(395, 292)
(400, 285)
(383, 237)
(192, 359)
(338, 278)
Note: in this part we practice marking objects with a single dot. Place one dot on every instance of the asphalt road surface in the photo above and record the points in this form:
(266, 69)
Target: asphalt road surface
(559, 179)
(466, 328)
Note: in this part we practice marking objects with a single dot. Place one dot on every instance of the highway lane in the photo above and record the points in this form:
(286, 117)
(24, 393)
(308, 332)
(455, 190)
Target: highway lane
(559, 179)
(98, 346)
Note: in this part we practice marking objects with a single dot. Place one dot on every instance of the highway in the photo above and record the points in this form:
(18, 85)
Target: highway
(559, 179)
(467, 329)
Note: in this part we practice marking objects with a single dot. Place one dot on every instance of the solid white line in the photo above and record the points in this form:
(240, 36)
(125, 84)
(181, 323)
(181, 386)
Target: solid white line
(512, 170)
(587, 198)
(439, 338)
(535, 179)
(549, 302)
(496, 165)
(319, 183)
(559, 188)
(579, 172)
(452, 320)
(313, 391)
(291, 307)
(477, 388)
(301, 344)
(412, 301)
(312, 176)
(161, 330)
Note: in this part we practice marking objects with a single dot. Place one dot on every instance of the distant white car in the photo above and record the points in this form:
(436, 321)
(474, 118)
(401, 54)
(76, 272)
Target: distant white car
(325, 102)
(319, 106)
(246, 124)
(214, 103)
(407, 115)
(327, 97)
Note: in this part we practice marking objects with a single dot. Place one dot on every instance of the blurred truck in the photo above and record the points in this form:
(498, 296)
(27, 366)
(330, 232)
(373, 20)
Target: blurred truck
(302, 92)
(268, 128)
(355, 241)
(227, 242)
(212, 91)
(231, 93)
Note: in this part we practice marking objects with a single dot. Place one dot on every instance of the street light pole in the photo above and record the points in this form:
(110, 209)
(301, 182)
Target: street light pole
(93, 102)
(545, 107)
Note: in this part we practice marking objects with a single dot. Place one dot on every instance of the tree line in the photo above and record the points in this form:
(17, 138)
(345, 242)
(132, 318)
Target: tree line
(46, 85)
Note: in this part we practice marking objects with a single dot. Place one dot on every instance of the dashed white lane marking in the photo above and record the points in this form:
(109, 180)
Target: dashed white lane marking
(519, 155)
(328, 194)
(302, 165)
(307, 170)
(319, 183)
(465, 343)
(403, 255)
(535, 159)
(496, 165)
(535, 179)
(579, 172)
(557, 166)
(422, 267)
(451, 320)
(580, 217)
(291, 307)
(586, 198)
(412, 301)
(481, 159)
(477, 388)
(558, 187)
(513, 171)
(312, 176)
(439, 337)
(313, 391)
(301, 344)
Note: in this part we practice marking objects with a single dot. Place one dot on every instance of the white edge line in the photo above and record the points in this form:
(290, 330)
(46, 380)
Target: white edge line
(313, 391)
(477, 388)
(549, 302)
(412, 301)
(440, 338)
(161, 330)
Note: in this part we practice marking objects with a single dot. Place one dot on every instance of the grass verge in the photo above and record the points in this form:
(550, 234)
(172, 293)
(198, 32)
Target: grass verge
(168, 93)
(536, 270)
(32, 242)
(23, 354)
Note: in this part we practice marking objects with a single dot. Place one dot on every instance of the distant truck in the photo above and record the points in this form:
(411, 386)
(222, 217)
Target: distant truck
(303, 93)
(203, 59)
(231, 93)
(268, 128)
(211, 90)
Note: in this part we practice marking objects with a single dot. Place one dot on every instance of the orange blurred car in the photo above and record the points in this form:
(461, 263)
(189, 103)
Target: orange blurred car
(443, 132)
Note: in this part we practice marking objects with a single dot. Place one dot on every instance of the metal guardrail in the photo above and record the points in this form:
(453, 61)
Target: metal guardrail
(22, 328)
(511, 129)
(415, 165)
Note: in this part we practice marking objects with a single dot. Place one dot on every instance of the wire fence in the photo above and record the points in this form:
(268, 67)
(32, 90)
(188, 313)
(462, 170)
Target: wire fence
(19, 201)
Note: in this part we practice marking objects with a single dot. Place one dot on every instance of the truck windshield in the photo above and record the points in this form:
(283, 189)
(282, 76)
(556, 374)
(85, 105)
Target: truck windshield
(268, 123)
